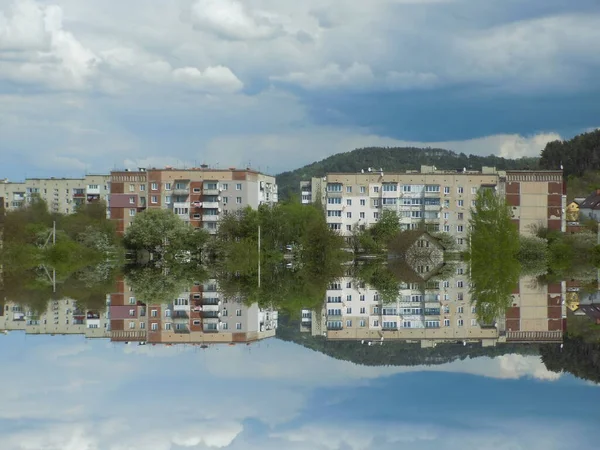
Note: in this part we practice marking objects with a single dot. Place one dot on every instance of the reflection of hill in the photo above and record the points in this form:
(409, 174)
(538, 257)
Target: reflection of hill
(394, 353)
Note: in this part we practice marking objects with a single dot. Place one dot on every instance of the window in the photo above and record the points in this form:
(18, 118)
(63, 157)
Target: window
(335, 226)
(459, 190)
(348, 215)
(460, 322)
(460, 271)
(363, 310)
(167, 326)
(473, 309)
(446, 189)
(362, 323)
(238, 326)
(238, 186)
(473, 322)
(238, 200)
(142, 187)
(363, 190)
(375, 188)
(142, 325)
(154, 313)
(196, 322)
(131, 188)
(196, 190)
(460, 228)
(132, 200)
(460, 310)
(132, 300)
(334, 213)
(362, 202)
(432, 188)
(197, 216)
(446, 284)
(460, 203)
(446, 322)
(225, 313)
(167, 313)
(376, 215)
(349, 202)
(473, 190)
(348, 323)
(446, 216)
(224, 186)
(460, 216)
(376, 201)
(238, 312)
(154, 327)
(225, 326)
(132, 212)
(225, 200)
(460, 283)
(167, 199)
(376, 323)
(348, 227)
(154, 186)
(154, 199)
(362, 215)
(362, 297)
(131, 325)
(348, 310)
(334, 187)
(334, 201)
(446, 309)
(349, 297)
(473, 203)
(132, 312)
(389, 187)
(348, 189)
(446, 228)
(460, 241)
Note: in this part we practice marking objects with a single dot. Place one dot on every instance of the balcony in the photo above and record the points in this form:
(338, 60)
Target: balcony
(210, 314)
(210, 217)
(432, 311)
(181, 191)
(210, 328)
(433, 207)
(180, 315)
(210, 301)
(335, 326)
(211, 191)
(211, 205)
(181, 307)
(389, 327)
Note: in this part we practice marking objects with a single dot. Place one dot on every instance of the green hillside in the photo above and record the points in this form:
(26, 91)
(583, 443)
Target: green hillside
(394, 159)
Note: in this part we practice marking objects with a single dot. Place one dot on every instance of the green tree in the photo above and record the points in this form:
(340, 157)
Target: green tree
(157, 231)
(495, 269)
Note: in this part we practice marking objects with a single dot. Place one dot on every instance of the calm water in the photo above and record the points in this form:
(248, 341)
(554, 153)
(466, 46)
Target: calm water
(204, 370)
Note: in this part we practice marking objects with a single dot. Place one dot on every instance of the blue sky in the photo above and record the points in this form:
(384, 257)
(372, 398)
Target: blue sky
(66, 393)
(87, 86)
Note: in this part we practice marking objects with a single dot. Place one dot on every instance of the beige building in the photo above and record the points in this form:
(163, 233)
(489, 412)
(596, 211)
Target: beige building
(435, 312)
(61, 317)
(61, 194)
(199, 196)
(441, 199)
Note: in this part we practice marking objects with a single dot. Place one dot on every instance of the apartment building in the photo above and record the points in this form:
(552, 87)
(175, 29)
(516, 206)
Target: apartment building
(199, 315)
(61, 317)
(62, 195)
(434, 312)
(199, 196)
(441, 199)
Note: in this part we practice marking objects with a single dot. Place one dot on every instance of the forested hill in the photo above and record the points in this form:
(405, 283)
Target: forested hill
(394, 353)
(394, 159)
(578, 155)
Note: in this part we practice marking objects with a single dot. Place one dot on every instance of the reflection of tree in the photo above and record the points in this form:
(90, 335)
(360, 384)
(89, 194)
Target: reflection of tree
(574, 356)
(154, 284)
(495, 268)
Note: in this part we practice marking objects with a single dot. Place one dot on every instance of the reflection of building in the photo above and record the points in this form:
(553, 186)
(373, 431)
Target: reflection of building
(199, 195)
(441, 199)
(198, 316)
(573, 210)
(62, 195)
(61, 317)
(589, 304)
(435, 312)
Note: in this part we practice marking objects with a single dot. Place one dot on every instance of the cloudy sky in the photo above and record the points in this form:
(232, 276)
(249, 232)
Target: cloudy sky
(66, 393)
(278, 83)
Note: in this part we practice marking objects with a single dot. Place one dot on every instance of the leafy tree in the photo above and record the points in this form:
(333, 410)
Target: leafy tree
(495, 268)
(533, 255)
(157, 231)
(576, 156)
(386, 228)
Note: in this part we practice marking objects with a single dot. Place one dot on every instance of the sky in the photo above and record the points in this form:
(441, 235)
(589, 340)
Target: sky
(276, 84)
(68, 393)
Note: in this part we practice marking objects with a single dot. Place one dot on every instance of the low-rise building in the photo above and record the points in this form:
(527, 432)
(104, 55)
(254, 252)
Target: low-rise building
(590, 207)
(199, 196)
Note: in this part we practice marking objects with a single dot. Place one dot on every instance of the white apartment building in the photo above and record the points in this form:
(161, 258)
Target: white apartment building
(430, 312)
(62, 195)
(61, 317)
(440, 199)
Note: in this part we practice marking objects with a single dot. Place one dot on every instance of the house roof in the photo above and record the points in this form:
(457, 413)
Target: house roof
(591, 202)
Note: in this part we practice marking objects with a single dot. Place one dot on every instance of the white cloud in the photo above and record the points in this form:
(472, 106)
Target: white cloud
(213, 78)
(231, 19)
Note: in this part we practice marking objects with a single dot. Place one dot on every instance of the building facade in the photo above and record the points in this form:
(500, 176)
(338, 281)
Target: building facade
(62, 195)
(61, 317)
(199, 196)
(440, 199)
(435, 312)
(199, 315)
